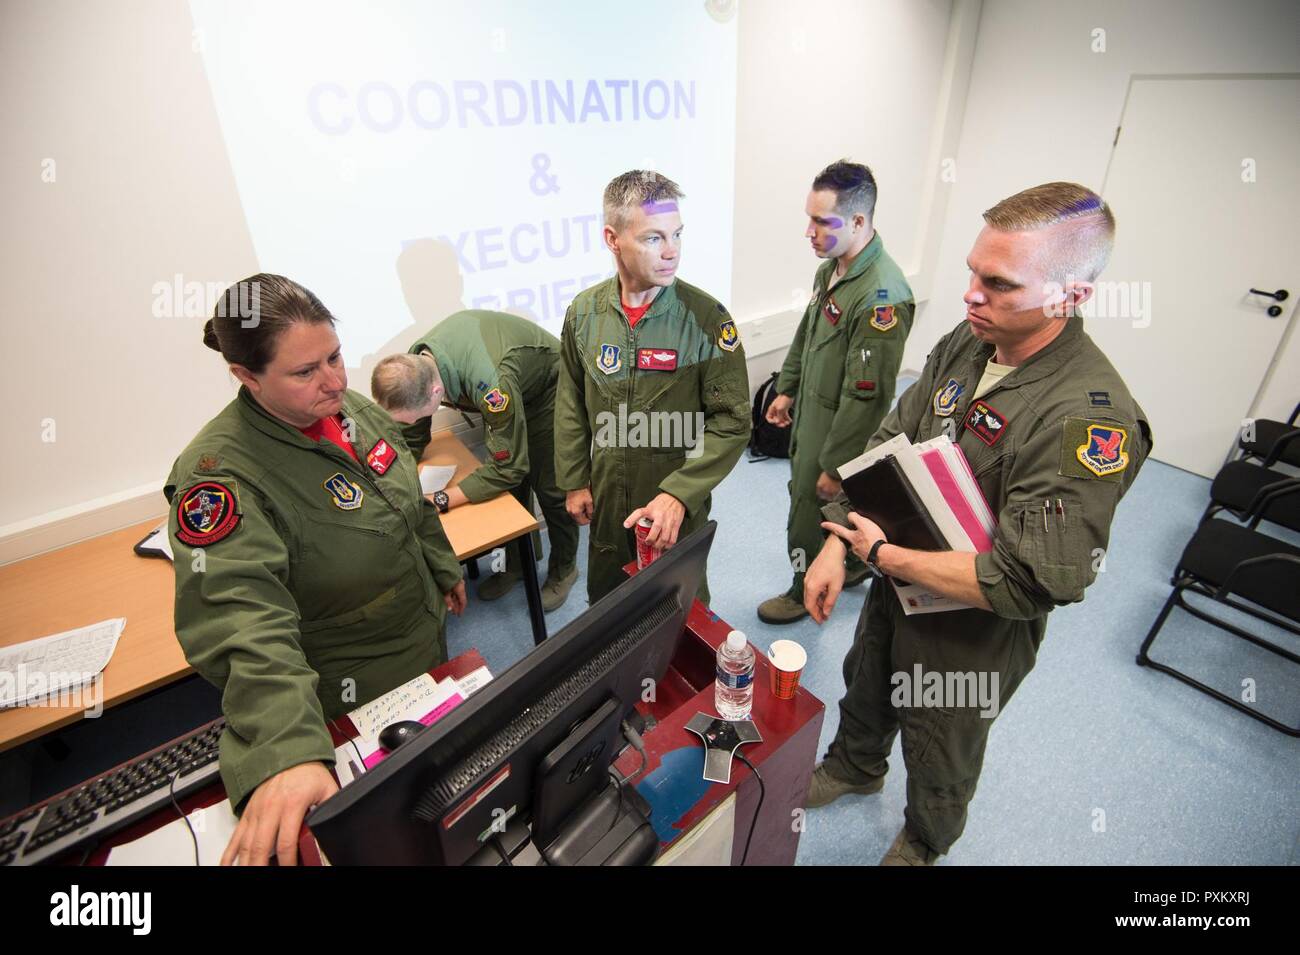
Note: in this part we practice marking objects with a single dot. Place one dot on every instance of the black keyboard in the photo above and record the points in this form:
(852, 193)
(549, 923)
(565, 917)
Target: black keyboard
(85, 814)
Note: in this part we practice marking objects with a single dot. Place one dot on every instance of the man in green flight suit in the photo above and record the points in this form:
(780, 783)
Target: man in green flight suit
(1054, 439)
(652, 409)
(505, 368)
(842, 365)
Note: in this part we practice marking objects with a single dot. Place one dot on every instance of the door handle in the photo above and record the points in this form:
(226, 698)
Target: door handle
(1279, 296)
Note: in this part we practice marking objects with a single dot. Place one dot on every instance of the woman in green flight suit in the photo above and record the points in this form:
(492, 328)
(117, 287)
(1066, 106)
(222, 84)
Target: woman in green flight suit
(311, 574)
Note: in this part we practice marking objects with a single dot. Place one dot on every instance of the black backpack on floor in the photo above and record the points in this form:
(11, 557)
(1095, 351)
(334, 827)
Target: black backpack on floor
(767, 440)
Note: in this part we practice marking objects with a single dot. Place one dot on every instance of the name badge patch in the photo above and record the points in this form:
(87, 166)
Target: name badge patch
(831, 311)
(381, 456)
(656, 359)
(986, 423)
(346, 495)
(206, 514)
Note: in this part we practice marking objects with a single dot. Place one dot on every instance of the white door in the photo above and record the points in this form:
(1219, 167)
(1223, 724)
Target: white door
(1204, 188)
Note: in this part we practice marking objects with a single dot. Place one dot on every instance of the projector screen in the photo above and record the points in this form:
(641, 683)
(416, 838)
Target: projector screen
(404, 160)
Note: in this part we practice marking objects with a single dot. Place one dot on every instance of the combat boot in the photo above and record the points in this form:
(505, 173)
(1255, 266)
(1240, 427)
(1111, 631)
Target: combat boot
(781, 610)
(498, 585)
(825, 788)
(909, 849)
(556, 589)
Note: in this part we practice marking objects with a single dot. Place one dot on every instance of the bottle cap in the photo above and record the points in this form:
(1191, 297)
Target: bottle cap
(736, 641)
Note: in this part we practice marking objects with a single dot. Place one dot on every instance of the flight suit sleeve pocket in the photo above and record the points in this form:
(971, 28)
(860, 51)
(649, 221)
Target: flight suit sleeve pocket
(861, 374)
(1052, 546)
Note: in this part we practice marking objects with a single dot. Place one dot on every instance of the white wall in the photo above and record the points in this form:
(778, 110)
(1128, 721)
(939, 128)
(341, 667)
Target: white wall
(116, 95)
(1042, 106)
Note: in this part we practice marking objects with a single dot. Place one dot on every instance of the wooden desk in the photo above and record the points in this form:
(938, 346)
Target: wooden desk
(474, 529)
(82, 584)
(103, 577)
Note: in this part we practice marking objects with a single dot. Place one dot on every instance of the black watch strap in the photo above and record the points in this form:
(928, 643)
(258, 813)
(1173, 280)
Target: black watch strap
(871, 556)
(442, 502)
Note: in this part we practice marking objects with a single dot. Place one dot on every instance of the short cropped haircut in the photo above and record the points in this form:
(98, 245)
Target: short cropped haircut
(636, 188)
(402, 382)
(1084, 224)
(854, 187)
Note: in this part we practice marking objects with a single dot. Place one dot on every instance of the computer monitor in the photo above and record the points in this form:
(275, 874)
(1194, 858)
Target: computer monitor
(533, 744)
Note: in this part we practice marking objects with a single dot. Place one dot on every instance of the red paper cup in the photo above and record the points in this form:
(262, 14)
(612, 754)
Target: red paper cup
(787, 661)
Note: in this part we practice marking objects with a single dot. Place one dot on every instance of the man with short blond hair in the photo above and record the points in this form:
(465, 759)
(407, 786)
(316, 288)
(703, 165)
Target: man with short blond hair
(645, 345)
(1054, 439)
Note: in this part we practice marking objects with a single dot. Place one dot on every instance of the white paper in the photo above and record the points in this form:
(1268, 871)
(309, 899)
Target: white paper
(415, 695)
(474, 680)
(434, 477)
(57, 664)
(172, 845)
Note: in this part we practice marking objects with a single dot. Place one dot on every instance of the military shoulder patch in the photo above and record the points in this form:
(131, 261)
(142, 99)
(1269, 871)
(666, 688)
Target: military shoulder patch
(608, 360)
(1095, 450)
(883, 318)
(945, 399)
(206, 513)
(496, 400)
(728, 336)
(986, 423)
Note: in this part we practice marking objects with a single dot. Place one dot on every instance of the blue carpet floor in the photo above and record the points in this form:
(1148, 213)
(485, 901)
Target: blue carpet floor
(1095, 761)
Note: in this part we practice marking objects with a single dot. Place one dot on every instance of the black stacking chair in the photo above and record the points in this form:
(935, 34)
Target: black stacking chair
(1252, 494)
(1274, 441)
(1232, 564)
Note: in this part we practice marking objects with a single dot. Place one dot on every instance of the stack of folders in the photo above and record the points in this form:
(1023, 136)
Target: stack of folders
(925, 497)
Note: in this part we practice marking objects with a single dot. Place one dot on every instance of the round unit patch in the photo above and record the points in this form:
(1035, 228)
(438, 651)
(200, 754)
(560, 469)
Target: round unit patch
(206, 514)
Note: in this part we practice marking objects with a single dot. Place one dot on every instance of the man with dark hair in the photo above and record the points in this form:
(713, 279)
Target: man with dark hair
(639, 353)
(839, 375)
(1054, 439)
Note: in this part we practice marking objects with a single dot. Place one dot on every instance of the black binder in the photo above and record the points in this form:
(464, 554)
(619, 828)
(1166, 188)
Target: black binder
(883, 493)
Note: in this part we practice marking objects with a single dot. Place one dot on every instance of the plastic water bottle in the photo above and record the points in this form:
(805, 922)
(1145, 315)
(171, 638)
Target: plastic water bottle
(733, 690)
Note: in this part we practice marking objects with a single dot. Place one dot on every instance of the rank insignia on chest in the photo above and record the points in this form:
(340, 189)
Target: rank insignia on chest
(882, 293)
(608, 360)
(945, 399)
(206, 514)
(883, 318)
(831, 311)
(986, 423)
(1103, 451)
(381, 456)
(346, 494)
(656, 359)
(728, 337)
(208, 463)
(496, 400)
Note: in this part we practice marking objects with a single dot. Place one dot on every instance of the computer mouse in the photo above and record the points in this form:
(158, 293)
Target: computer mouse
(395, 734)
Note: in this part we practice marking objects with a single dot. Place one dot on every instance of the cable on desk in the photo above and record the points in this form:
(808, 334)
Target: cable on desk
(171, 791)
(762, 792)
(496, 844)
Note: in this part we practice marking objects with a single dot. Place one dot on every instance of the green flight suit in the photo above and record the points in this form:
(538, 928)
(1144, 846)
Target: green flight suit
(841, 371)
(683, 357)
(307, 583)
(505, 368)
(1062, 426)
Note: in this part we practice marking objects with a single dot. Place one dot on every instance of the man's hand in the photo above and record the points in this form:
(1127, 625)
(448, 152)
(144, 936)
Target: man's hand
(667, 513)
(455, 598)
(827, 487)
(579, 505)
(778, 412)
(860, 540)
(274, 815)
(824, 580)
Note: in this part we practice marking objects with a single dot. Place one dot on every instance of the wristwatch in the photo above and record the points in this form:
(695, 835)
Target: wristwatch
(871, 558)
(443, 503)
